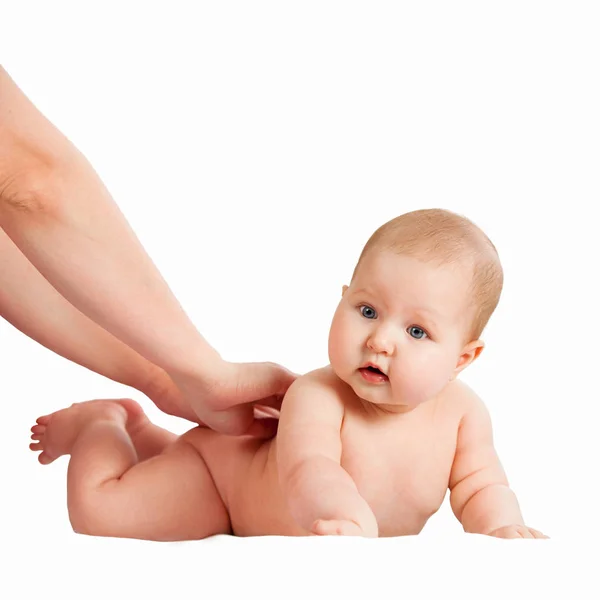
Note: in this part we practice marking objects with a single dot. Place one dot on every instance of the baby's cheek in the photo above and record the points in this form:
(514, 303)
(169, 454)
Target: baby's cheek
(338, 342)
(436, 377)
(420, 380)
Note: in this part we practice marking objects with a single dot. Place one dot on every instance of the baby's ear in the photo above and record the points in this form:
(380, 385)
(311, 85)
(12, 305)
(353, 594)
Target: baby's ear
(469, 353)
(344, 288)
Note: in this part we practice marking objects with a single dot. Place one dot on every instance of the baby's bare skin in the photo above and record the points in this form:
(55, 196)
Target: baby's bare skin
(400, 463)
(368, 445)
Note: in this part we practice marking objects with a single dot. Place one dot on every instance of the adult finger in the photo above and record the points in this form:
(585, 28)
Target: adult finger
(241, 420)
(271, 402)
(233, 421)
(261, 411)
(263, 428)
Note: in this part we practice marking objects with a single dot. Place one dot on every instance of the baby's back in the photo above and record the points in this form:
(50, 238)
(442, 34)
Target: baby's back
(400, 463)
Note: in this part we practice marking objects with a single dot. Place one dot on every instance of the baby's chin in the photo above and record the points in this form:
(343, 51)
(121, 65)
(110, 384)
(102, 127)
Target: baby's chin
(384, 398)
(376, 395)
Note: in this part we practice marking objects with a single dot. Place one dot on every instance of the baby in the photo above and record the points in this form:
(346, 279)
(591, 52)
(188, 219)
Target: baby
(367, 445)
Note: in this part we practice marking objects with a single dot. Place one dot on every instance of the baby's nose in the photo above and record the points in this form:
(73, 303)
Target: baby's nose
(380, 343)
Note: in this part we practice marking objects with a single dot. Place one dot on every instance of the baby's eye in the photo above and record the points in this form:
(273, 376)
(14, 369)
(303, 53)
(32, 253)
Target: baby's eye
(367, 312)
(417, 332)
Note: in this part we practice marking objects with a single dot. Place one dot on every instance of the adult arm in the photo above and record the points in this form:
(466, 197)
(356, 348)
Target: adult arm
(34, 307)
(57, 211)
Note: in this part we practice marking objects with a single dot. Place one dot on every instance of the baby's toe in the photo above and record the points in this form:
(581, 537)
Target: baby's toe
(43, 420)
(45, 459)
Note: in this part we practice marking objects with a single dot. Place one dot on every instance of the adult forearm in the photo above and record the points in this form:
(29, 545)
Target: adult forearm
(34, 307)
(77, 238)
(320, 488)
(58, 212)
(491, 508)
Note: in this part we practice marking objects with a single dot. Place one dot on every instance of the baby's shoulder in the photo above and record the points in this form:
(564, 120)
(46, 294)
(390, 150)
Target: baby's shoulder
(459, 399)
(320, 384)
(323, 378)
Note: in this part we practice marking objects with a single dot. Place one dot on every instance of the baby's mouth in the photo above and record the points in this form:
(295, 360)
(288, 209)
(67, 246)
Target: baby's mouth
(373, 375)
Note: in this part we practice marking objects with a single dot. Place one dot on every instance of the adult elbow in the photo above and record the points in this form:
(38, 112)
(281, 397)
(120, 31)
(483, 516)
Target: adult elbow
(30, 194)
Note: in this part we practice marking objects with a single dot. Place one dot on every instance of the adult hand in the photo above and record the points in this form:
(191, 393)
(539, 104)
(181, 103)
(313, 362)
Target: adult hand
(225, 399)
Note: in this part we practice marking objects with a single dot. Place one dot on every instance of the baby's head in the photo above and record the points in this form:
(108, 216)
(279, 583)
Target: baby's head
(423, 290)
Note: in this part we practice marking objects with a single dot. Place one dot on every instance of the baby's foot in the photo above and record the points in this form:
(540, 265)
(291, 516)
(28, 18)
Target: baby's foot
(55, 434)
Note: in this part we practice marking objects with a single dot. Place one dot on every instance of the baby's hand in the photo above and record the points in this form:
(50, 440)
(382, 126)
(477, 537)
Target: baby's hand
(517, 531)
(342, 527)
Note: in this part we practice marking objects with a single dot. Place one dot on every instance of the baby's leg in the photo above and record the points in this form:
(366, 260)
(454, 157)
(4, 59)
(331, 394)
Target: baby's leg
(148, 439)
(170, 496)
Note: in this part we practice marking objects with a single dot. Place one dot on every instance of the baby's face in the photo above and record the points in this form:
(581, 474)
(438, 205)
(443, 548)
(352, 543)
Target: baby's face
(407, 318)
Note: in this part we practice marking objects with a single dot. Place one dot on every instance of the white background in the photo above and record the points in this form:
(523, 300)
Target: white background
(255, 146)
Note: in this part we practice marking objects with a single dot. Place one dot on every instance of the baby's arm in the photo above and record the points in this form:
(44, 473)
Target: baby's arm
(321, 495)
(479, 493)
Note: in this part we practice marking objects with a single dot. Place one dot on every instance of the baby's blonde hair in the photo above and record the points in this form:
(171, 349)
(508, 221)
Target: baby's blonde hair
(444, 237)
